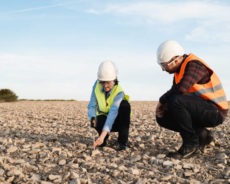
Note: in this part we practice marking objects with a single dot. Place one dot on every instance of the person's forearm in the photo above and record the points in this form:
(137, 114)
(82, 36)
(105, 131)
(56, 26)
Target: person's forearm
(103, 134)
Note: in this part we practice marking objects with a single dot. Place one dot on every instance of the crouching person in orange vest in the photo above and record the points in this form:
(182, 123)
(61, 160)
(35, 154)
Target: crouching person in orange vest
(195, 101)
(109, 108)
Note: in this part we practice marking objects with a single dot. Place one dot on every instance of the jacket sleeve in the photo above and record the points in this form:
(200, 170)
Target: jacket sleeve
(92, 104)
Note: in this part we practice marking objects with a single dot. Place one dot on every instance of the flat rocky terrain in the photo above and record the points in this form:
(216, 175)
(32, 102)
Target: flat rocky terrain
(51, 142)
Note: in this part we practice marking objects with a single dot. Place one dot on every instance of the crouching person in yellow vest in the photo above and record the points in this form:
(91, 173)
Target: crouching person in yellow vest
(195, 101)
(109, 108)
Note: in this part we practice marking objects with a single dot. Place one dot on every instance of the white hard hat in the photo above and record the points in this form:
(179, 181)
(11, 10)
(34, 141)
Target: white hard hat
(107, 71)
(167, 50)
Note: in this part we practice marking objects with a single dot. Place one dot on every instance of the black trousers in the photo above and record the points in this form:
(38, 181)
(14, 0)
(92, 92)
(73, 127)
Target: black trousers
(188, 115)
(121, 123)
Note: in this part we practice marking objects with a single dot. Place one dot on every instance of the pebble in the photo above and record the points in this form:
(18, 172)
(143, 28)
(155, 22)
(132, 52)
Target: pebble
(135, 171)
(12, 149)
(116, 173)
(35, 177)
(161, 156)
(135, 158)
(167, 163)
(62, 162)
(95, 152)
(122, 168)
(54, 177)
(166, 178)
(187, 165)
(14, 172)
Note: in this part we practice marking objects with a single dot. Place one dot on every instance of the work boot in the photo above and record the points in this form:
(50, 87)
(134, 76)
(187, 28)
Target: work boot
(122, 147)
(205, 138)
(185, 151)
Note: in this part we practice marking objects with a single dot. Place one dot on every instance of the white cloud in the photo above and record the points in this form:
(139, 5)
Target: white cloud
(168, 12)
(200, 20)
(65, 76)
(36, 8)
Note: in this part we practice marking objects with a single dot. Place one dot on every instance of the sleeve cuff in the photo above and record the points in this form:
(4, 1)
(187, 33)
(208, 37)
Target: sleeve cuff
(107, 129)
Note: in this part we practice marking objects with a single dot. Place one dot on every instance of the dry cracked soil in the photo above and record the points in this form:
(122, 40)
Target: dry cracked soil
(51, 142)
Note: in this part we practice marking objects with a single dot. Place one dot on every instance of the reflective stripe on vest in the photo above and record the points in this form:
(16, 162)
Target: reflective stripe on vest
(212, 90)
(103, 103)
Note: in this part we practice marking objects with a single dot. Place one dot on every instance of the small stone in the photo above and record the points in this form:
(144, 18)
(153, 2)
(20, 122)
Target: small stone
(75, 181)
(178, 166)
(54, 177)
(221, 156)
(66, 176)
(45, 182)
(38, 145)
(151, 138)
(222, 166)
(135, 171)
(115, 173)
(138, 139)
(141, 181)
(122, 168)
(113, 165)
(35, 177)
(14, 172)
(227, 172)
(74, 175)
(187, 165)
(142, 146)
(109, 150)
(196, 169)
(193, 181)
(56, 149)
(166, 178)
(83, 181)
(10, 179)
(212, 144)
(34, 151)
(20, 161)
(95, 152)
(12, 149)
(2, 172)
(160, 156)
(188, 173)
(62, 162)
(167, 163)
(82, 146)
(135, 158)
(87, 157)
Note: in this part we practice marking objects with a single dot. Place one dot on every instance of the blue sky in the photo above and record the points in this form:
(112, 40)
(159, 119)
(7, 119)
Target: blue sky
(51, 49)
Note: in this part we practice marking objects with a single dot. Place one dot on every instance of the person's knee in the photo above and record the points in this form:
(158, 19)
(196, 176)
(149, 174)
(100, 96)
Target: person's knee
(160, 121)
(100, 121)
(175, 100)
(125, 106)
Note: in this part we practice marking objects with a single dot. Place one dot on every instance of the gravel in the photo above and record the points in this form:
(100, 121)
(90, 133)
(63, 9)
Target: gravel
(51, 142)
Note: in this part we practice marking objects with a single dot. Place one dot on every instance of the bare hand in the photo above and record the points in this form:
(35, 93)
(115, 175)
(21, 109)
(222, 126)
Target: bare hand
(160, 109)
(98, 142)
(100, 139)
(93, 123)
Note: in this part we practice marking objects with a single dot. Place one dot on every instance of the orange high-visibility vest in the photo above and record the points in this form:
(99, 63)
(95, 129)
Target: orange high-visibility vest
(212, 90)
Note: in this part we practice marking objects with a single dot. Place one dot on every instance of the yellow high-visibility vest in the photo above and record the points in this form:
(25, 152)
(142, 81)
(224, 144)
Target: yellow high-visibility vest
(103, 103)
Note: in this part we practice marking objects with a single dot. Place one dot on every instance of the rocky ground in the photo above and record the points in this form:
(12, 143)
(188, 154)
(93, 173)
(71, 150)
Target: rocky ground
(50, 142)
